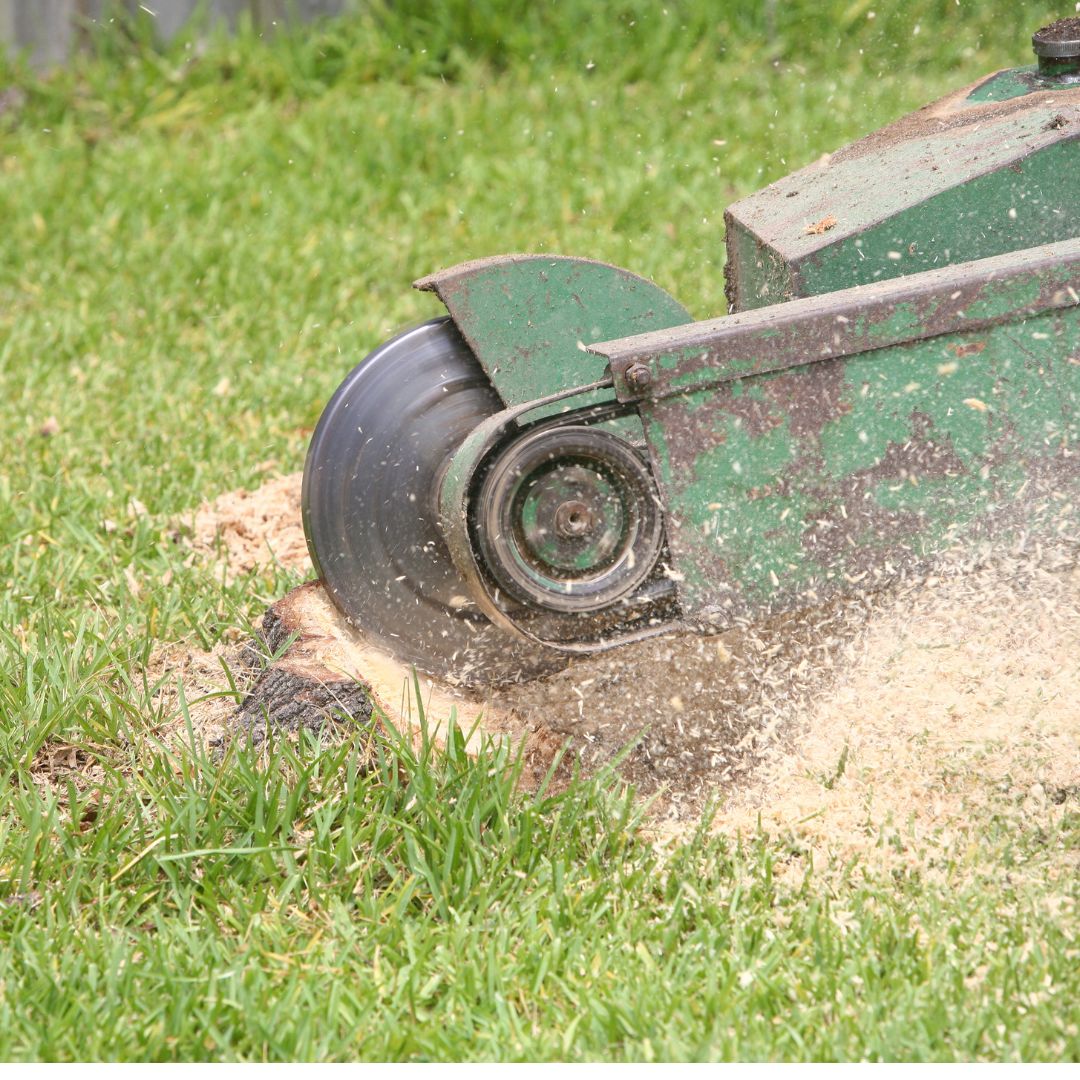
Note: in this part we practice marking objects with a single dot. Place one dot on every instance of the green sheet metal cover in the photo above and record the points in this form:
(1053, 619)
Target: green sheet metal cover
(839, 442)
(527, 318)
(961, 179)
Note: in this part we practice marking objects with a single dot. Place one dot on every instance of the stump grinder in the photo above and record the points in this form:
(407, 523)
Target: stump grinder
(567, 461)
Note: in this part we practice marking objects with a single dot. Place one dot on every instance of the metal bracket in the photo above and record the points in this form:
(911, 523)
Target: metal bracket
(954, 299)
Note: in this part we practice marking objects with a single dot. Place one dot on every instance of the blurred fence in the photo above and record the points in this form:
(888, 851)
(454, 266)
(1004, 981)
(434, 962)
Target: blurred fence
(50, 30)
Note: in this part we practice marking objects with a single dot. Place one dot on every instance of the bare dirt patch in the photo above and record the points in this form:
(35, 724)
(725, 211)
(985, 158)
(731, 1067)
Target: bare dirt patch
(884, 728)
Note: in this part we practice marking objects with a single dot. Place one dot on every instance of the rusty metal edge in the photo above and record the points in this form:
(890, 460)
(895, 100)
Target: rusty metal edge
(441, 279)
(843, 323)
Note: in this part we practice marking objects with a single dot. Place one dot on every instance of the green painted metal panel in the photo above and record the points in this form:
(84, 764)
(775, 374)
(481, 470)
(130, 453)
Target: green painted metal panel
(787, 487)
(837, 442)
(1036, 201)
(962, 179)
(528, 318)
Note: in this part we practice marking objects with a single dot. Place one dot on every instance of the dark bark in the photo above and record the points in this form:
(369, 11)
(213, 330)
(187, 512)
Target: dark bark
(295, 686)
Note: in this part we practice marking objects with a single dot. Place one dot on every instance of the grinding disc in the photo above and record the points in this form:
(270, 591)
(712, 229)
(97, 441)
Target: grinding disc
(369, 498)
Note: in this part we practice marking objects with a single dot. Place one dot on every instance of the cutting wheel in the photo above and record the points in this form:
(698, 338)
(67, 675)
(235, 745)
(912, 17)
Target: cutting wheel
(369, 506)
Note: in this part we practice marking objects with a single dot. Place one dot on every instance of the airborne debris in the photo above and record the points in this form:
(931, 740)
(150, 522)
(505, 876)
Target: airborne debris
(954, 698)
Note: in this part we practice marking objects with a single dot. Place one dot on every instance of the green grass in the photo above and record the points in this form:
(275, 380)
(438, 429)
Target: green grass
(198, 244)
(365, 900)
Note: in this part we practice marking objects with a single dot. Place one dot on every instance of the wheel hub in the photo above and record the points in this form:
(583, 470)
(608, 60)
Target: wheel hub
(567, 519)
(574, 519)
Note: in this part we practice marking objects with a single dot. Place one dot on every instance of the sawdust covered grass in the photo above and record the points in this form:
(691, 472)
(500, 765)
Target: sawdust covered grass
(888, 729)
(197, 245)
(957, 716)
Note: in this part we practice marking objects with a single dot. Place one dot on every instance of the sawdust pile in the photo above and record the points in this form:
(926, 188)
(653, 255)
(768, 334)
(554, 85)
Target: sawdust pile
(882, 728)
(963, 702)
(245, 531)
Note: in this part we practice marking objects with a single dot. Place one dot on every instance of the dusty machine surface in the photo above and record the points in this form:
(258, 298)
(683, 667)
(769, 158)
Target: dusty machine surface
(568, 462)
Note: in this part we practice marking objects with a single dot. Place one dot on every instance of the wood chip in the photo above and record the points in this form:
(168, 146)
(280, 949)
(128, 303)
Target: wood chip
(819, 227)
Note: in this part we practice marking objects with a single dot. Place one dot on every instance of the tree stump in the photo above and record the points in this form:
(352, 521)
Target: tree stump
(312, 669)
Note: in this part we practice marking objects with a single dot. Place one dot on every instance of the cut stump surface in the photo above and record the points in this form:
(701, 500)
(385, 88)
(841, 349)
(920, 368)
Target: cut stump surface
(313, 669)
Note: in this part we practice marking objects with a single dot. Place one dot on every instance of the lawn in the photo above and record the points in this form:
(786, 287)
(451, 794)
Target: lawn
(199, 242)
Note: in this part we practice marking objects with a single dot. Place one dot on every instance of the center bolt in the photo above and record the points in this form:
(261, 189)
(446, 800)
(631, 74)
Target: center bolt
(573, 518)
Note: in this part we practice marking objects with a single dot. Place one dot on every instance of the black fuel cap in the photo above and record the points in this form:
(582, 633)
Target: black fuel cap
(1058, 47)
